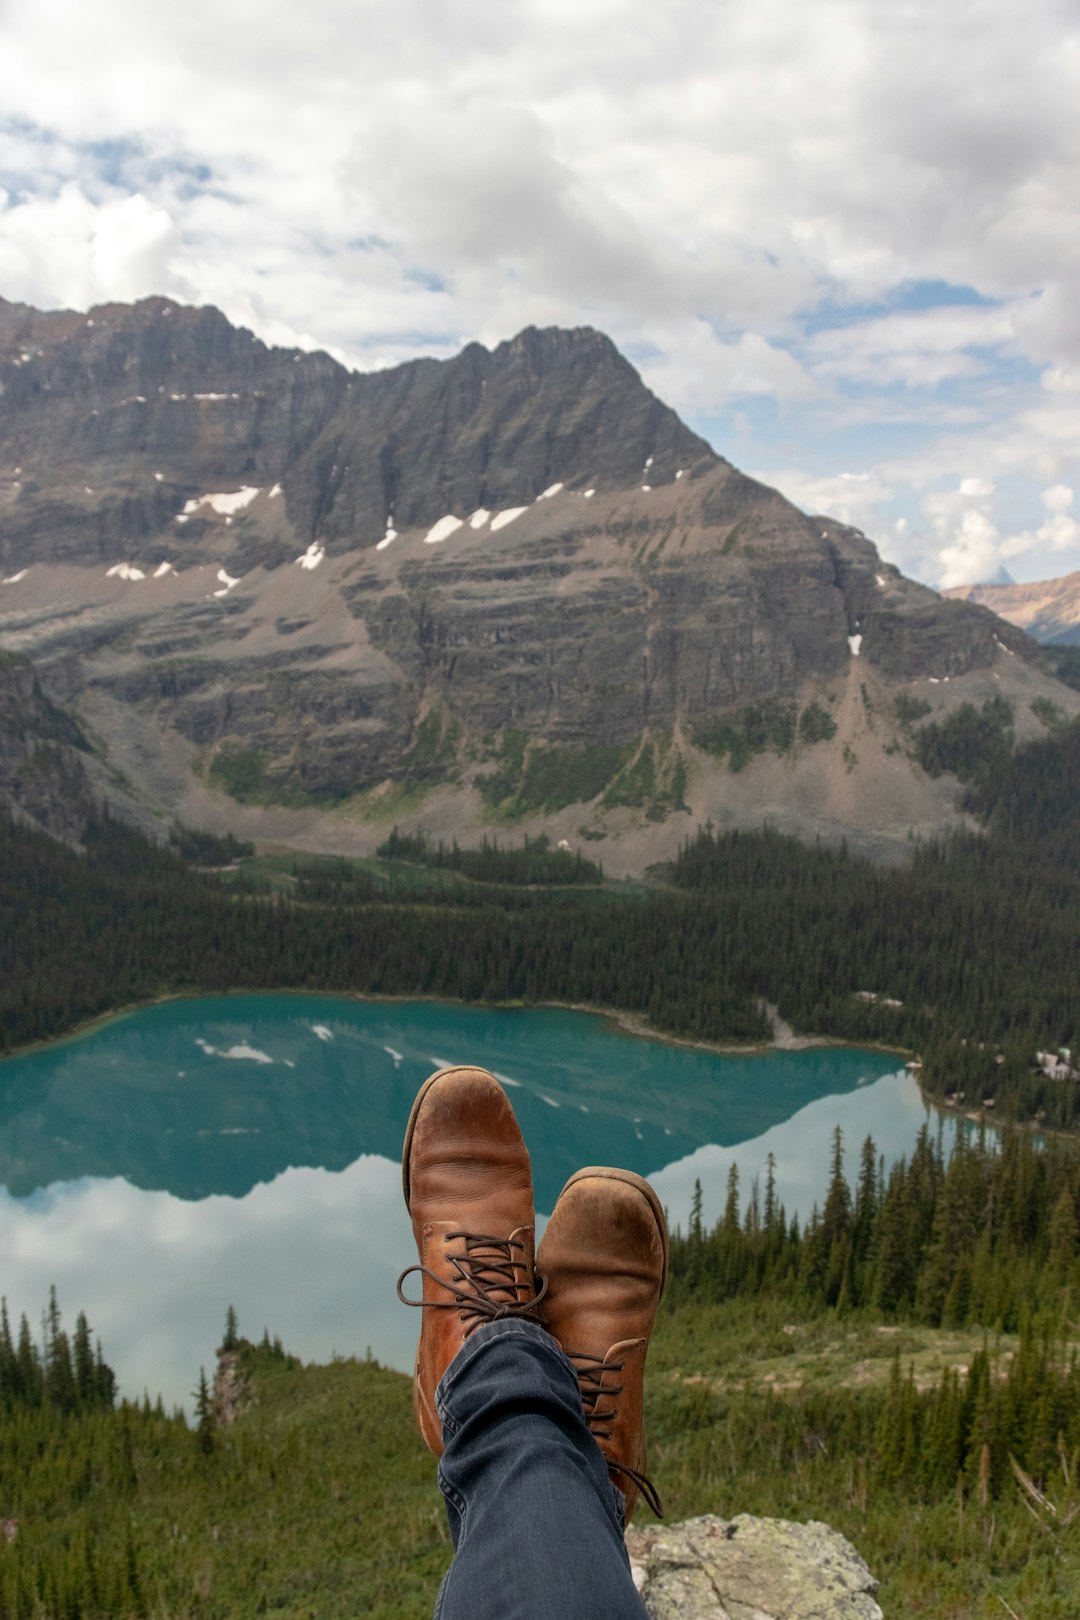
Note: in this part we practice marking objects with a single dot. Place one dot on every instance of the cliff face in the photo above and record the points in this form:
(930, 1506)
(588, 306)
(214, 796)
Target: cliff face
(504, 579)
(43, 776)
(110, 423)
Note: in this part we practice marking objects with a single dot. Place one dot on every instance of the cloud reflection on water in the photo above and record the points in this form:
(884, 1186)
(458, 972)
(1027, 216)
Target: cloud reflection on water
(156, 1179)
(314, 1254)
(891, 1111)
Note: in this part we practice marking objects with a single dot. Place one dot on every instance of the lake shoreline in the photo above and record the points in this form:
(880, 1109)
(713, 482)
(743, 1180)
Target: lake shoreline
(784, 1037)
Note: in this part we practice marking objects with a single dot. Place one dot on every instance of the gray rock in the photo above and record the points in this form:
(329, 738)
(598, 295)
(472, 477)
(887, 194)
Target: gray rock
(43, 777)
(750, 1569)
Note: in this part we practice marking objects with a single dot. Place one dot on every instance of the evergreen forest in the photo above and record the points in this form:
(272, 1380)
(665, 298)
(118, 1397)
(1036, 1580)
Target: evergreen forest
(965, 957)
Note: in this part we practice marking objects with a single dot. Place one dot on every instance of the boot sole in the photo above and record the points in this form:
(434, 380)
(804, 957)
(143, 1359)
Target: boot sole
(630, 1179)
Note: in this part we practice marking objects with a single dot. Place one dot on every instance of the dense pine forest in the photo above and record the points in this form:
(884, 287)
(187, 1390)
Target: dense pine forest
(988, 1237)
(966, 956)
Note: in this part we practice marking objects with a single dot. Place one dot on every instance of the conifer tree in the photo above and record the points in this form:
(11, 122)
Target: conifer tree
(204, 1415)
(231, 1336)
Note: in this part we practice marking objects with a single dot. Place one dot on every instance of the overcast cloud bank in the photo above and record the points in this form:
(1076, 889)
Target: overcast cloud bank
(840, 239)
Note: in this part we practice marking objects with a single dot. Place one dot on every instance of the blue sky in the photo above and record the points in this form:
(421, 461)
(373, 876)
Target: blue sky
(842, 240)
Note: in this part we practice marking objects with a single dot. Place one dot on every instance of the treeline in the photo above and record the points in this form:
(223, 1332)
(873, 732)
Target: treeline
(987, 1237)
(66, 1374)
(974, 744)
(976, 941)
(128, 921)
(534, 862)
(109, 1515)
(209, 849)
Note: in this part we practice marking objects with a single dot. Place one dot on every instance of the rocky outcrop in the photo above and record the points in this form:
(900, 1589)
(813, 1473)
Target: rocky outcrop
(43, 775)
(232, 1388)
(750, 1569)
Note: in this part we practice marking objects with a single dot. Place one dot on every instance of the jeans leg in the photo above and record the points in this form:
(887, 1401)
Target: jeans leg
(535, 1520)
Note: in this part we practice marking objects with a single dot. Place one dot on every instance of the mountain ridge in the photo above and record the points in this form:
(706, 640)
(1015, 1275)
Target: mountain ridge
(1046, 609)
(509, 587)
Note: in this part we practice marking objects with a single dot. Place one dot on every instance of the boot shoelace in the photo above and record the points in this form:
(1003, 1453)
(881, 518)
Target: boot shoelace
(484, 1267)
(591, 1371)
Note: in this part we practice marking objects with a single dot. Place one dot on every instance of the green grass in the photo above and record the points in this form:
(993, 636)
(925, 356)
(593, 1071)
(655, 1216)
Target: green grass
(278, 873)
(386, 803)
(322, 1501)
(764, 1346)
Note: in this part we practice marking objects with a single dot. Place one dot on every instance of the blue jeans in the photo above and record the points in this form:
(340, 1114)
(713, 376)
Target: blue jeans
(536, 1523)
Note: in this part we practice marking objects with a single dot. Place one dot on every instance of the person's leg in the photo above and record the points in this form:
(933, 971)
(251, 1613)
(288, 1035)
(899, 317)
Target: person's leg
(536, 1522)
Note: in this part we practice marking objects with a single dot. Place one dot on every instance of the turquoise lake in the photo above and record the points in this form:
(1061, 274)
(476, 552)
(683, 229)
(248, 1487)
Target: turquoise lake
(245, 1150)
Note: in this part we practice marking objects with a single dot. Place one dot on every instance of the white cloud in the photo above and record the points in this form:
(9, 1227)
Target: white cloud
(748, 191)
(969, 542)
(697, 368)
(854, 498)
(919, 349)
(67, 249)
(1059, 498)
(1058, 533)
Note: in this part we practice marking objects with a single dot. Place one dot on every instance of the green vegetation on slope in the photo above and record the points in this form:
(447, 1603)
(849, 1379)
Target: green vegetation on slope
(974, 744)
(534, 776)
(739, 734)
(533, 862)
(321, 1501)
(780, 1383)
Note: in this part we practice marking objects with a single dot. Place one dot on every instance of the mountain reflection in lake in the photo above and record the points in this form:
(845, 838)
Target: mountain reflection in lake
(245, 1150)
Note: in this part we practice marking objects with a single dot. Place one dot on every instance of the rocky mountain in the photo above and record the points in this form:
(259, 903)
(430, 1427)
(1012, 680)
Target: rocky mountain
(506, 590)
(1048, 609)
(43, 766)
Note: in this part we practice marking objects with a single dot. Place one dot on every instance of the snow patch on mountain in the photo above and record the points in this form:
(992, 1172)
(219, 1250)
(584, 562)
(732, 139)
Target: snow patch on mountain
(442, 530)
(501, 519)
(224, 504)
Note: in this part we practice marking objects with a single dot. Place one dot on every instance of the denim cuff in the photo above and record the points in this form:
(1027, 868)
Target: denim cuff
(509, 1328)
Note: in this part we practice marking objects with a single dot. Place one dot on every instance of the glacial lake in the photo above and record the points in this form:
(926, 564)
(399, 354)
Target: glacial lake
(245, 1150)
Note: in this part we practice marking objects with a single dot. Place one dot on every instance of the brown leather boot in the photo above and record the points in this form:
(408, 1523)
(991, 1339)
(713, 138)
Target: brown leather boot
(604, 1257)
(468, 1187)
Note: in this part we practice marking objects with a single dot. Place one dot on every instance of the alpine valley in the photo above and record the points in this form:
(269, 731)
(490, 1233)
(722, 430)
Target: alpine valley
(250, 589)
